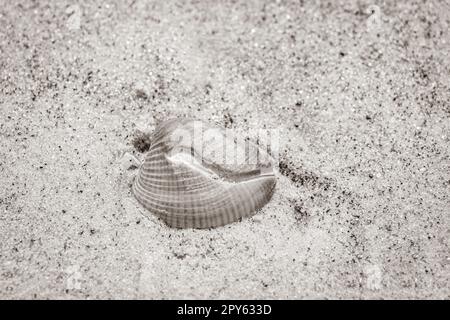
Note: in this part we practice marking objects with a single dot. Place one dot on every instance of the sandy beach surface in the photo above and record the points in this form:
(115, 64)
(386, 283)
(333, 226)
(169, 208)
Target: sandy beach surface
(359, 91)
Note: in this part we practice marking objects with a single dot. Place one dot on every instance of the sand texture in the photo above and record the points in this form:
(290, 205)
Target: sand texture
(359, 91)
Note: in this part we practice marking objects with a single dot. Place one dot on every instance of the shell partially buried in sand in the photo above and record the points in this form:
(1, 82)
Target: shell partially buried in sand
(197, 176)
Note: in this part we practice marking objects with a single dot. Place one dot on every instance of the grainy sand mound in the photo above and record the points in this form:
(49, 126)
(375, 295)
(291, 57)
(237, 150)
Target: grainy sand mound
(360, 94)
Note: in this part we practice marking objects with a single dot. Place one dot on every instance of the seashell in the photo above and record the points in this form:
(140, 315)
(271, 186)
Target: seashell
(196, 175)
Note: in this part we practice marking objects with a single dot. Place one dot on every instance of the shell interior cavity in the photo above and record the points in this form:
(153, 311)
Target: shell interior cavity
(196, 175)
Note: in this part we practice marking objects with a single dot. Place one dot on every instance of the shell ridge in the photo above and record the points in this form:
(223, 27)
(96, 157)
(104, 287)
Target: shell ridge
(189, 190)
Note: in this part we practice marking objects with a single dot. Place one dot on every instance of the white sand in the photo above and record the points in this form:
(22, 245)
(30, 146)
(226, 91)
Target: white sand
(362, 102)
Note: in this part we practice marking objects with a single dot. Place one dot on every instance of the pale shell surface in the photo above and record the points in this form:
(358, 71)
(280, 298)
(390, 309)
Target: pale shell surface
(195, 175)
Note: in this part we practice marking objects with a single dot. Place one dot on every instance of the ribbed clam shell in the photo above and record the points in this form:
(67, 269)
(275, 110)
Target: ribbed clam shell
(198, 180)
